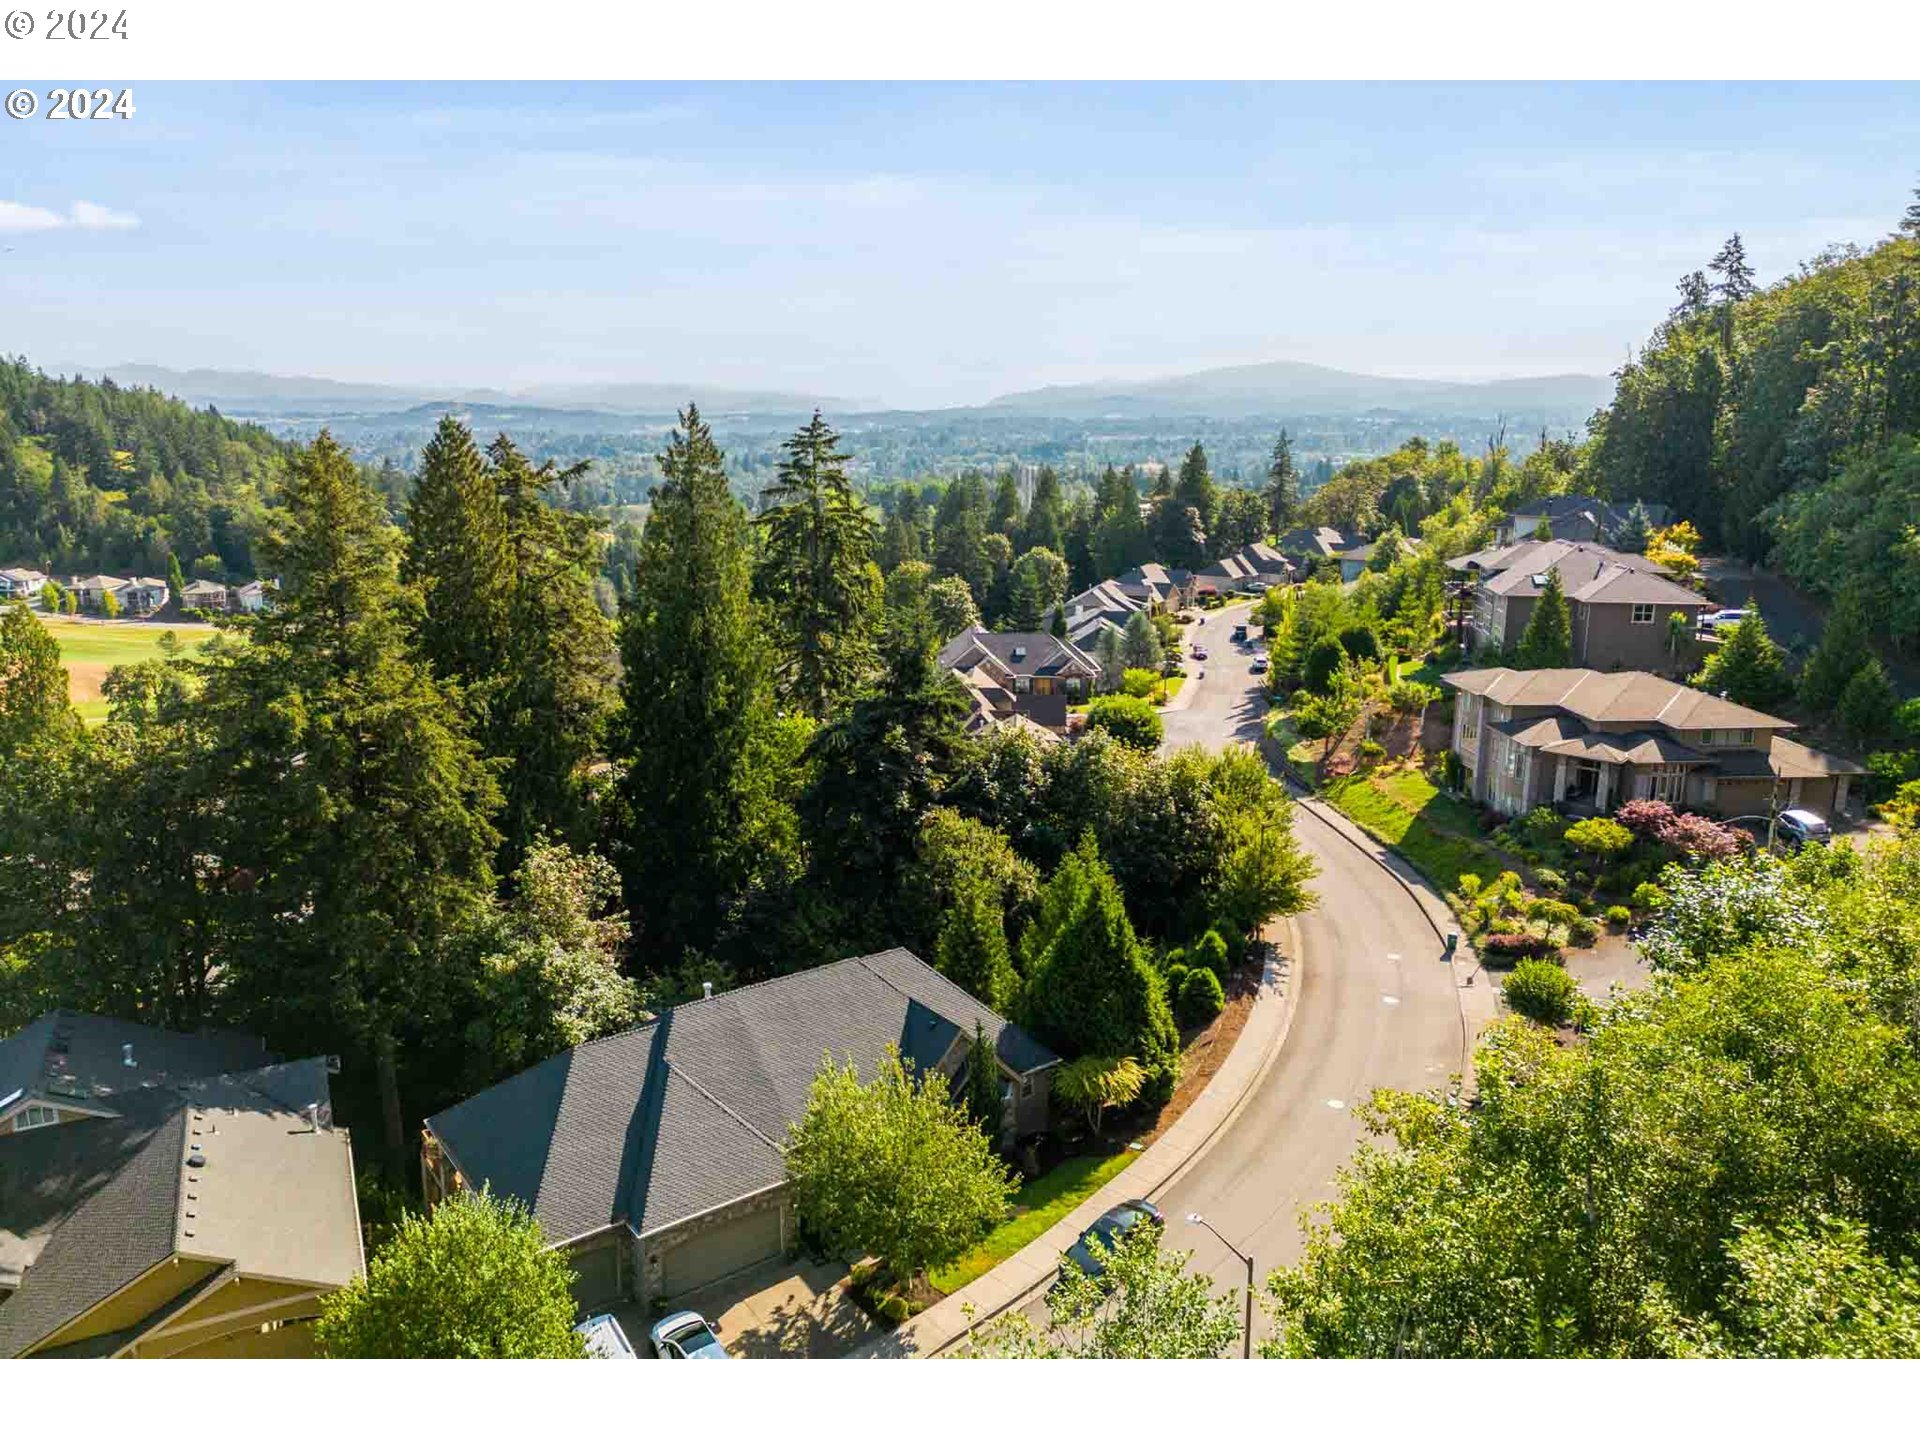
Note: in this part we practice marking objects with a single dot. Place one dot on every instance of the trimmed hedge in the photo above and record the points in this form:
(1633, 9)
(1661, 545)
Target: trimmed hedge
(1514, 945)
(1541, 990)
(1201, 997)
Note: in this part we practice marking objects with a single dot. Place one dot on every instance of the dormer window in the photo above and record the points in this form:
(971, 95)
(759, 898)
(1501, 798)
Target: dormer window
(33, 1117)
(1019, 653)
(1540, 581)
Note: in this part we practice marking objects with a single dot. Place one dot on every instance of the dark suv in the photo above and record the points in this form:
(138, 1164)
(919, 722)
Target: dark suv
(1109, 1227)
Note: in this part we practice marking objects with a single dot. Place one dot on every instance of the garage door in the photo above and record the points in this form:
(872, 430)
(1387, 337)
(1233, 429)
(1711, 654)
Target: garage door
(720, 1251)
(596, 1276)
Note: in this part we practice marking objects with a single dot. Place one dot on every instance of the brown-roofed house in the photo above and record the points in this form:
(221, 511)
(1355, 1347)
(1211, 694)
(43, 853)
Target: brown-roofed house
(1025, 673)
(654, 1157)
(166, 1194)
(1587, 741)
(1618, 603)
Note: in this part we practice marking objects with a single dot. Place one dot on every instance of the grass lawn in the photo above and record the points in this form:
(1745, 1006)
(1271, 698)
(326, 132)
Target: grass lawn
(90, 649)
(1170, 688)
(1040, 1204)
(1405, 809)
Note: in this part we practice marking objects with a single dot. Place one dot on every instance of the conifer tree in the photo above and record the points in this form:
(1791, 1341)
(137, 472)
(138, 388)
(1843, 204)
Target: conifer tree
(817, 573)
(1635, 533)
(1842, 650)
(459, 558)
(1045, 528)
(358, 805)
(983, 1094)
(176, 582)
(1734, 284)
(549, 705)
(33, 683)
(1006, 517)
(1283, 486)
(1747, 668)
(1547, 642)
(697, 691)
(972, 948)
(1910, 222)
(1196, 491)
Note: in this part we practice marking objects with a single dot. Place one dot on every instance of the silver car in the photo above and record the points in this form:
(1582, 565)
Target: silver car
(686, 1336)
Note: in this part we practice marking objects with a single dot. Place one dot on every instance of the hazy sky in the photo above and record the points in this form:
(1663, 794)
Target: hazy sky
(918, 245)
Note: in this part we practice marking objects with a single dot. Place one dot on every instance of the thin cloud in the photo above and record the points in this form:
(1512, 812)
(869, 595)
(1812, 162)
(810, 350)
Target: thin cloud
(18, 219)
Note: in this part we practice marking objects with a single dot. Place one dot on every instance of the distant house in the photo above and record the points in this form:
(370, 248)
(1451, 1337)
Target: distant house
(204, 595)
(1354, 562)
(21, 584)
(1587, 741)
(1028, 673)
(653, 1158)
(1104, 606)
(1618, 603)
(165, 1193)
(253, 596)
(1575, 517)
(1251, 568)
(92, 589)
(143, 595)
(1308, 545)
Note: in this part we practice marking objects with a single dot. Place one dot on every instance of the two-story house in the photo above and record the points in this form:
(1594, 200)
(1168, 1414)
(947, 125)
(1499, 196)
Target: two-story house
(1254, 567)
(1587, 742)
(1618, 603)
(1575, 517)
(1027, 673)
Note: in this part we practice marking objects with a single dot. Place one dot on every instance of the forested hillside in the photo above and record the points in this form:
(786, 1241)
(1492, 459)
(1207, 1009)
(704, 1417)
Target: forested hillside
(1781, 421)
(100, 478)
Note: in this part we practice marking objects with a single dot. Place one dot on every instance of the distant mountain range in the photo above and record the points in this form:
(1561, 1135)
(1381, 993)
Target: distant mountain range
(1277, 390)
(1283, 387)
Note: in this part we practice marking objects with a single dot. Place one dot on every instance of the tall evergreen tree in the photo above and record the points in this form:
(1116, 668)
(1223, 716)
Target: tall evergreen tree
(1045, 528)
(972, 948)
(33, 683)
(1734, 283)
(549, 707)
(817, 573)
(697, 691)
(1634, 534)
(1910, 222)
(1119, 534)
(176, 582)
(459, 557)
(1283, 486)
(1007, 515)
(1195, 490)
(359, 808)
(1748, 668)
(983, 1095)
(1547, 642)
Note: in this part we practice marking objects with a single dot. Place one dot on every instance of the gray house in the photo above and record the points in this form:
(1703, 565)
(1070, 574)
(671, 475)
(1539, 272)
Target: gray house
(654, 1157)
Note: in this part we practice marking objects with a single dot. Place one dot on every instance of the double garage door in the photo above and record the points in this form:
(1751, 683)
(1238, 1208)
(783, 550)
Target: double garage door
(717, 1252)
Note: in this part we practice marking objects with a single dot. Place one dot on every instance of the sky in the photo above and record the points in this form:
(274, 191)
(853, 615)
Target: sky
(915, 245)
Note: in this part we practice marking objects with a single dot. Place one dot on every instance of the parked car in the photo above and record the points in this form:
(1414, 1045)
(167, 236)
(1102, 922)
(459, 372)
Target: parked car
(1716, 620)
(1791, 829)
(1199, 652)
(1240, 634)
(1260, 665)
(686, 1336)
(605, 1339)
(1109, 1228)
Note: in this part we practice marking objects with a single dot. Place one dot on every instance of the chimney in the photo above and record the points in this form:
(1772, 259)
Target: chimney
(706, 989)
(313, 1117)
(126, 1055)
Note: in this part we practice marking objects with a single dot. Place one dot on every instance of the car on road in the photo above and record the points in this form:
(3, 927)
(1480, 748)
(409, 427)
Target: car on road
(1260, 665)
(1199, 652)
(605, 1339)
(686, 1336)
(1108, 1229)
(1715, 621)
(1240, 634)
(1791, 828)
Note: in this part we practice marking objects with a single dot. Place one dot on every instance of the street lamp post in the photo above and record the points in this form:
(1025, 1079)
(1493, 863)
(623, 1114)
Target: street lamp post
(1246, 1348)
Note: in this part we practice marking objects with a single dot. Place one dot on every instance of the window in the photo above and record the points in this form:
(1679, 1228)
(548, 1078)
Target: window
(1740, 737)
(35, 1116)
(1643, 614)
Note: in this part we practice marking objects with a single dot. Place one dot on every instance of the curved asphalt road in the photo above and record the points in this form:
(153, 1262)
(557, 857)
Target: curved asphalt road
(1377, 1008)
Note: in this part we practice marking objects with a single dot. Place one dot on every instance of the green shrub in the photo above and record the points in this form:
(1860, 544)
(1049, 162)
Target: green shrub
(1549, 880)
(1582, 931)
(1372, 752)
(1648, 896)
(1176, 976)
(1600, 837)
(1201, 997)
(1468, 885)
(1128, 719)
(893, 1309)
(1619, 916)
(1541, 990)
(1211, 951)
(1553, 912)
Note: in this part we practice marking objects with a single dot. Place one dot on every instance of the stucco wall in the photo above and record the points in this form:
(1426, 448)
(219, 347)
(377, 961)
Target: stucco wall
(1605, 638)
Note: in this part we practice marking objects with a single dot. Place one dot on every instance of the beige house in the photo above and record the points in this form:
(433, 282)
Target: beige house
(1618, 604)
(654, 1157)
(166, 1194)
(1587, 742)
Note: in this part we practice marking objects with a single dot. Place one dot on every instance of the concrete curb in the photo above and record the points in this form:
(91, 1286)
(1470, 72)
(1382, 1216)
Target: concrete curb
(1021, 1276)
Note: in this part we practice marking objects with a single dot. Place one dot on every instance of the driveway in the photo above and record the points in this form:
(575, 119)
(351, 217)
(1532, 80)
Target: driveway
(780, 1309)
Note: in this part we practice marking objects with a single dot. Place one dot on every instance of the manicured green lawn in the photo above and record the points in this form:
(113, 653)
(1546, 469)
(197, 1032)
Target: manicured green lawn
(1405, 809)
(1039, 1205)
(90, 650)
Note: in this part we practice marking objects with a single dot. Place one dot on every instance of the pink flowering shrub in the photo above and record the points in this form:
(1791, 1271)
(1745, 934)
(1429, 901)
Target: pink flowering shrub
(1692, 835)
(1645, 817)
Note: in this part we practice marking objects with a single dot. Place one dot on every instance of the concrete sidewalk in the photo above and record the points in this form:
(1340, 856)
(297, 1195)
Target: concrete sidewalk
(1022, 1275)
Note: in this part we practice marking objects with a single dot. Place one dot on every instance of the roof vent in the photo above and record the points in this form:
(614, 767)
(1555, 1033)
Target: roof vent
(706, 989)
(1019, 653)
(126, 1055)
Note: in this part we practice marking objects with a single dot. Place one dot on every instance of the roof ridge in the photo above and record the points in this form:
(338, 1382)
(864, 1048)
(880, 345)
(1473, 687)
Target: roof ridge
(667, 1064)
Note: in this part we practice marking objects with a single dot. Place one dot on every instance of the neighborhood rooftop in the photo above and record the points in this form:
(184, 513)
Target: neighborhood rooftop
(659, 1124)
(1629, 697)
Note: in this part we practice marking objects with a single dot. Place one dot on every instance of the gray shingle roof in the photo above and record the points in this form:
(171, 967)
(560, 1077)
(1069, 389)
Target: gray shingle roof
(658, 1124)
(1631, 697)
(1019, 652)
(64, 1054)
